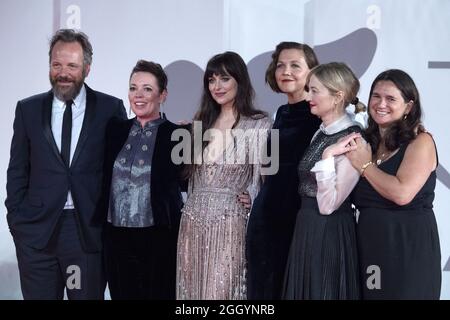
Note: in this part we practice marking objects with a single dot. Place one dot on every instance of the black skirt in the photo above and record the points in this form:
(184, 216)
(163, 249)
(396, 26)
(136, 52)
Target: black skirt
(322, 263)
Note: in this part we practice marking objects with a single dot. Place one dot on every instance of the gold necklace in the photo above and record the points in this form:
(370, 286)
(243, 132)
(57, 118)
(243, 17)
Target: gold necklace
(380, 159)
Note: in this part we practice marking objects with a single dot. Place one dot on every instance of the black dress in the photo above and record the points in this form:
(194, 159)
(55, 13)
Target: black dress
(402, 241)
(322, 261)
(272, 219)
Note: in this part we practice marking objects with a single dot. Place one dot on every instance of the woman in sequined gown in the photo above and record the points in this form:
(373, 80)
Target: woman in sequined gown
(322, 262)
(211, 244)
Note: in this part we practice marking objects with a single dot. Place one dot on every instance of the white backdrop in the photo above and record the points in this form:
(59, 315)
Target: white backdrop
(371, 35)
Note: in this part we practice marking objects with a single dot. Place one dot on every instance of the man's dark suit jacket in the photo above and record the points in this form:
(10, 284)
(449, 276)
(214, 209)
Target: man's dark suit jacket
(38, 180)
(166, 177)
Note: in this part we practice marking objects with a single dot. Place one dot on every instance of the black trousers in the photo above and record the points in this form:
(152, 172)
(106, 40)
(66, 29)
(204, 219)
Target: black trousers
(63, 264)
(141, 262)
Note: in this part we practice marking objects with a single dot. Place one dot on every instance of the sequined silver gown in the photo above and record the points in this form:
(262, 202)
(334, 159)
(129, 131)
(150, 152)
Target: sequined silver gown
(211, 243)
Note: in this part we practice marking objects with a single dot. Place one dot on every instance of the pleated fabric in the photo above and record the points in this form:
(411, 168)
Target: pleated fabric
(323, 262)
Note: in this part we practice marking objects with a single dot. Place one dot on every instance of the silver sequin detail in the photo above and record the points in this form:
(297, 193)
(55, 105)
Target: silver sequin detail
(211, 244)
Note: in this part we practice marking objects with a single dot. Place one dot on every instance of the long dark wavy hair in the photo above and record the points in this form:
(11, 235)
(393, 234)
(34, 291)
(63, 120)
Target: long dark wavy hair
(225, 64)
(405, 129)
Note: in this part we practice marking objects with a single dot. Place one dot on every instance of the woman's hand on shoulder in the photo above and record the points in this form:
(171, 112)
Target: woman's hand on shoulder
(184, 122)
(361, 155)
(344, 145)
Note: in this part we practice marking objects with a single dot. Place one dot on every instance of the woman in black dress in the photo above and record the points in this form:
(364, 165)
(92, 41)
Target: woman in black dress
(272, 219)
(322, 261)
(398, 240)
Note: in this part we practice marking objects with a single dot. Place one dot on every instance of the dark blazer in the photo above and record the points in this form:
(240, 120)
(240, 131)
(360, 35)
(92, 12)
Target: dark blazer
(38, 180)
(166, 181)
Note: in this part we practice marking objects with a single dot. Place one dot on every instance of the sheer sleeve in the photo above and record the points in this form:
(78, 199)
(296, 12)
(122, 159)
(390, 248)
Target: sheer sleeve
(336, 178)
(259, 140)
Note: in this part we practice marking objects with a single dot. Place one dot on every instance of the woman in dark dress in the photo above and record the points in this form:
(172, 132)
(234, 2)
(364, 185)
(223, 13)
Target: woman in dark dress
(322, 261)
(398, 240)
(272, 218)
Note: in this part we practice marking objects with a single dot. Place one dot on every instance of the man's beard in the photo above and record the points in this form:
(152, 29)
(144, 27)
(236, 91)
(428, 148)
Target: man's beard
(65, 93)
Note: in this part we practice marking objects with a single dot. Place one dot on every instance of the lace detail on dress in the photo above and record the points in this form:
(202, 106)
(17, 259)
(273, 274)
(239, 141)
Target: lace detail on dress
(308, 185)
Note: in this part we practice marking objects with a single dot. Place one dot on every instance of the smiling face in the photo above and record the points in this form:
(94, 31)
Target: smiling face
(145, 96)
(291, 72)
(67, 70)
(386, 104)
(223, 89)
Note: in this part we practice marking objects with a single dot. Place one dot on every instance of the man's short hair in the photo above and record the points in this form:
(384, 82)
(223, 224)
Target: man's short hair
(71, 35)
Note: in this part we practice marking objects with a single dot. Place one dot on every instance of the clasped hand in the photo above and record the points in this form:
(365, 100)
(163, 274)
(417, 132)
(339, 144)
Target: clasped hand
(355, 148)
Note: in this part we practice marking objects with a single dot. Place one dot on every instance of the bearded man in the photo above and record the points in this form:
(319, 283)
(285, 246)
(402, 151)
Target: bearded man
(54, 177)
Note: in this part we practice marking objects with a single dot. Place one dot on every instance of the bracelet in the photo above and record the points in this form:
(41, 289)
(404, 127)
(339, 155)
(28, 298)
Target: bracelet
(364, 167)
